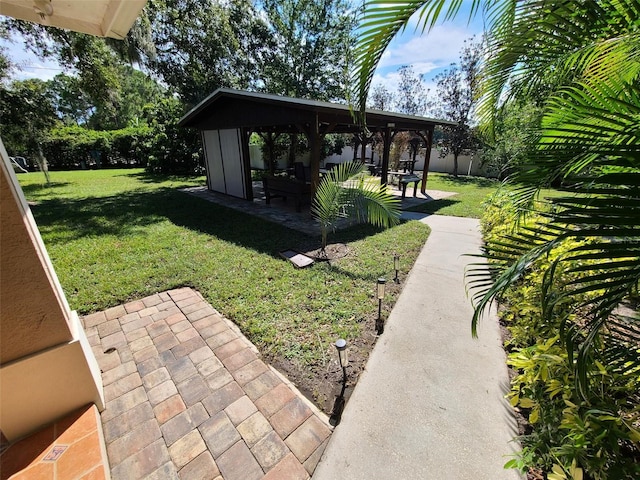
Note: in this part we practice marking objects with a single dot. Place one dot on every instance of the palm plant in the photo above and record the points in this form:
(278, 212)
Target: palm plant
(586, 56)
(581, 62)
(344, 193)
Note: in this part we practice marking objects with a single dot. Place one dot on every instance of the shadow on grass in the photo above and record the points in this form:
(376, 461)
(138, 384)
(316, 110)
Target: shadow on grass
(147, 177)
(434, 206)
(34, 190)
(133, 212)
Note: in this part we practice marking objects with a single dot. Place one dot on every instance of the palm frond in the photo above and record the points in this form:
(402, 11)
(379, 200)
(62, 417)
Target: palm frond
(538, 46)
(343, 193)
(601, 212)
(380, 22)
(623, 339)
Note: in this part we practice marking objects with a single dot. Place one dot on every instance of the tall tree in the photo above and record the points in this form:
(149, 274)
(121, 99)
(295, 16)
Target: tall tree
(202, 45)
(456, 91)
(72, 104)
(411, 95)
(381, 98)
(313, 41)
(513, 139)
(94, 61)
(26, 115)
(135, 92)
(310, 53)
(5, 64)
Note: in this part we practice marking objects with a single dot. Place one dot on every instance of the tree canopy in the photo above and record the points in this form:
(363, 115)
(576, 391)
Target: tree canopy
(311, 51)
(180, 51)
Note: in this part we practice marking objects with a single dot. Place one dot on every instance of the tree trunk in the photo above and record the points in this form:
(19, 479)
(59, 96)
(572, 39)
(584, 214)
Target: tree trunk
(42, 163)
(455, 165)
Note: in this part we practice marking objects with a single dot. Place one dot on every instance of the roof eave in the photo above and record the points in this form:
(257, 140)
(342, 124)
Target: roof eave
(116, 21)
(191, 117)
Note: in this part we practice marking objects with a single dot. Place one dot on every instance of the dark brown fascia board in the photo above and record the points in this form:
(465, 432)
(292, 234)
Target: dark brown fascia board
(326, 111)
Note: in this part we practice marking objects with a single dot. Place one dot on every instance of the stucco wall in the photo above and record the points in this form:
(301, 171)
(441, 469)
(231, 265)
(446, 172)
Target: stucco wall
(32, 313)
(47, 368)
(467, 165)
(47, 385)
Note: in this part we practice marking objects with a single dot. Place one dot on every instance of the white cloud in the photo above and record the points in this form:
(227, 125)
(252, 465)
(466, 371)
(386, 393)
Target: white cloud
(429, 53)
(436, 49)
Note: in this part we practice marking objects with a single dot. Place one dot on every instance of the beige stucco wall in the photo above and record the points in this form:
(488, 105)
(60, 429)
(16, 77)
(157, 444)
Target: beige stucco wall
(47, 385)
(33, 312)
(47, 368)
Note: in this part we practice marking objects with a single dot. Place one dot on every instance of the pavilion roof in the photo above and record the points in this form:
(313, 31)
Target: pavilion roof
(229, 108)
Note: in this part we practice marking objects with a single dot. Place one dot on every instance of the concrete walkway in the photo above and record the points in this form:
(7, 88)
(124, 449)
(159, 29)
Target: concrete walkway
(430, 404)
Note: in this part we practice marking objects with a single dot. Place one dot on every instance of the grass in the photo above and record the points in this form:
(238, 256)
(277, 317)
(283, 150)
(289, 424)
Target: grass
(470, 194)
(119, 235)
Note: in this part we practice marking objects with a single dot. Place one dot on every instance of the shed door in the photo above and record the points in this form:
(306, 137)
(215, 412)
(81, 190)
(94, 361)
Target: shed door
(232, 160)
(225, 163)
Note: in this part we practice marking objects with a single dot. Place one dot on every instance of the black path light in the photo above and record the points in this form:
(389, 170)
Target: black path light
(338, 405)
(396, 266)
(381, 286)
(343, 356)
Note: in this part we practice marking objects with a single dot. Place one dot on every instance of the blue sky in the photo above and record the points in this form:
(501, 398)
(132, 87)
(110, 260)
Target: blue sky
(429, 53)
(29, 65)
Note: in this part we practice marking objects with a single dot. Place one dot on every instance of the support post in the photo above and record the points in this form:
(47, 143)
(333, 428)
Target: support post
(387, 138)
(428, 140)
(315, 142)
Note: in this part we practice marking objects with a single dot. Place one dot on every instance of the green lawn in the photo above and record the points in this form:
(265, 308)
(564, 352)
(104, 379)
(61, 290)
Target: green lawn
(118, 235)
(471, 192)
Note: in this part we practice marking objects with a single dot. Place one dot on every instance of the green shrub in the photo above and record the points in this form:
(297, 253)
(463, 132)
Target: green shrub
(69, 148)
(572, 433)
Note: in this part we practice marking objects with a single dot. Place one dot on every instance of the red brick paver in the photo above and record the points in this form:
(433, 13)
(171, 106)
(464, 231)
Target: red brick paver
(188, 397)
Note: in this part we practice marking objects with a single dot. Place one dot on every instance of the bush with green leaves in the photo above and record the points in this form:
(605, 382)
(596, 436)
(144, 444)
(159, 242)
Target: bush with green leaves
(158, 144)
(68, 148)
(575, 430)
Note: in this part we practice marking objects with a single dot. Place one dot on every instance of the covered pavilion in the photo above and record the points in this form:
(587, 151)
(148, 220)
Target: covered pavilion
(227, 118)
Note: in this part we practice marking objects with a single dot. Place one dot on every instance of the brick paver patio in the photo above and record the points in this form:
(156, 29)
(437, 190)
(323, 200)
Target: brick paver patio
(187, 396)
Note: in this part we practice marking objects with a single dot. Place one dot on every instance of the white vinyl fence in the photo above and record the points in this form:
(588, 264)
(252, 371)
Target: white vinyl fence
(467, 165)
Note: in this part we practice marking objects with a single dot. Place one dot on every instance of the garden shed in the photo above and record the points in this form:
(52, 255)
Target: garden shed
(227, 117)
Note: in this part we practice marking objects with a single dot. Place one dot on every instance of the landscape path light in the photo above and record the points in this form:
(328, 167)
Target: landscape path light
(343, 357)
(338, 405)
(381, 286)
(396, 266)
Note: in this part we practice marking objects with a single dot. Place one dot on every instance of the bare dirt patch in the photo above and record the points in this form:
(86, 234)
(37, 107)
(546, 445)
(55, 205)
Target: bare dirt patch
(322, 383)
(333, 251)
